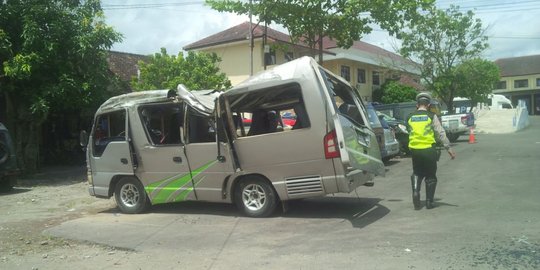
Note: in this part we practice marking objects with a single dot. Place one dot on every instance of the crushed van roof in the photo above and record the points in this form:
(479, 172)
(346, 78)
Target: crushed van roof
(196, 98)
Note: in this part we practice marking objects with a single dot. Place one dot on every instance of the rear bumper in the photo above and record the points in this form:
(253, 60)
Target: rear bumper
(391, 149)
(353, 179)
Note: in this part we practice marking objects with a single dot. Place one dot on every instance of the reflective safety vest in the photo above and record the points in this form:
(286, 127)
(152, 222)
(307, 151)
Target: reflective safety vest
(421, 134)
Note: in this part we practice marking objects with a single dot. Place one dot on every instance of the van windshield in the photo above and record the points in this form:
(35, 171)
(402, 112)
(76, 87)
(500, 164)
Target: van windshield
(345, 100)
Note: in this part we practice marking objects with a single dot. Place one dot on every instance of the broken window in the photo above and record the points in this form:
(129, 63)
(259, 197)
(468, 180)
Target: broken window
(276, 109)
(162, 123)
(200, 128)
(345, 99)
(109, 127)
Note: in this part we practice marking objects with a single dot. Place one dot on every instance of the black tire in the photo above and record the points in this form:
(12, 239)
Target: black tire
(255, 197)
(130, 196)
(6, 184)
(4, 152)
(453, 137)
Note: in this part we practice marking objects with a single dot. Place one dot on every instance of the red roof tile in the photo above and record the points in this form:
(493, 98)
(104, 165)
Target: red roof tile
(125, 65)
(237, 33)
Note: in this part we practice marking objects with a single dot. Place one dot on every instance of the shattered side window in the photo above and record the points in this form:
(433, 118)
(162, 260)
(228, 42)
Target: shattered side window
(277, 109)
(345, 99)
(109, 127)
(162, 123)
(200, 128)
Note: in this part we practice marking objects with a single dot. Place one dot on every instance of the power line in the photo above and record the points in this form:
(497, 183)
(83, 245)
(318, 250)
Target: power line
(146, 6)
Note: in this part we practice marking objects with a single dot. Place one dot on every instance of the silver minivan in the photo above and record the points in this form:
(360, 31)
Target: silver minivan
(162, 146)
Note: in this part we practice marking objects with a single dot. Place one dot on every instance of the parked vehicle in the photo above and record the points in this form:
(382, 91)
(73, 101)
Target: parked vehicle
(377, 127)
(494, 102)
(391, 145)
(455, 125)
(154, 147)
(8, 161)
(400, 131)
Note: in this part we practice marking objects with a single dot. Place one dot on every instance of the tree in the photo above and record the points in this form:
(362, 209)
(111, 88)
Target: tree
(196, 71)
(394, 92)
(476, 78)
(53, 57)
(345, 21)
(440, 42)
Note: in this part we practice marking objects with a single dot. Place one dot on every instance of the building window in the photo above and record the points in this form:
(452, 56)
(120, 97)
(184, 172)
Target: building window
(537, 81)
(501, 85)
(270, 57)
(361, 78)
(376, 78)
(289, 56)
(521, 83)
(346, 73)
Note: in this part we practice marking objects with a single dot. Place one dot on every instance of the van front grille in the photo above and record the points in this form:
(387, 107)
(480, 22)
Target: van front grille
(307, 185)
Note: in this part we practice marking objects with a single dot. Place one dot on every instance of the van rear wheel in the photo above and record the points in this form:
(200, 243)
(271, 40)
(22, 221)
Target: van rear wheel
(130, 196)
(255, 197)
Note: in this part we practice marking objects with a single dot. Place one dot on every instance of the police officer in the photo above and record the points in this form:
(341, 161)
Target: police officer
(425, 131)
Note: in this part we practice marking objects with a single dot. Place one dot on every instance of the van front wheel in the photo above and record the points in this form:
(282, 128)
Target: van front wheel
(130, 196)
(255, 197)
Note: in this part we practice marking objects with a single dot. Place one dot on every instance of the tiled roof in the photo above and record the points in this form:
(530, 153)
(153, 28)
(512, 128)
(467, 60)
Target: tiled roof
(125, 65)
(237, 33)
(241, 32)
(517, 66)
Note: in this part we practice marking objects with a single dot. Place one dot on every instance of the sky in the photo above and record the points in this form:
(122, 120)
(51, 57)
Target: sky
(513, 27)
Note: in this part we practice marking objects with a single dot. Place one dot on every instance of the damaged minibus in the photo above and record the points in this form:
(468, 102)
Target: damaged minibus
(160, 146)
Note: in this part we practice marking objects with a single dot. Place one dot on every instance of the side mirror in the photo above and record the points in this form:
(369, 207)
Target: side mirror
(83, 139)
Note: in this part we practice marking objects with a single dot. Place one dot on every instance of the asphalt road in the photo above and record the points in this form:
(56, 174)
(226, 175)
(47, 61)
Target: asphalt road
(487, 217)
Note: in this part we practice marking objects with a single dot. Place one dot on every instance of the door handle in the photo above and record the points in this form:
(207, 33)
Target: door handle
(124, 160)
(177, 159)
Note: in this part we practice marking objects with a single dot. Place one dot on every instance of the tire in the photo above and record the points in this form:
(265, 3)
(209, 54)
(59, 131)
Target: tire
(4, 152)
(453, 137)
(6, 184)
(130, 196)
(255, 197)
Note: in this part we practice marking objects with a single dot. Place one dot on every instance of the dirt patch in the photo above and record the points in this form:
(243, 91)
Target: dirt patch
(42, 201)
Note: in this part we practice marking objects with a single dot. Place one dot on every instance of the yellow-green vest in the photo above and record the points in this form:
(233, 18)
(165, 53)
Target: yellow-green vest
(421, 134)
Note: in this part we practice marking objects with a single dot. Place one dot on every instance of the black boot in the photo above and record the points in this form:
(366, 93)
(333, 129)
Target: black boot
(416, 184)
(431, 184)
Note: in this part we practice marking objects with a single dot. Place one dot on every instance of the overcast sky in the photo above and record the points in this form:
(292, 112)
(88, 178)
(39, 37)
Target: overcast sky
(513, 27)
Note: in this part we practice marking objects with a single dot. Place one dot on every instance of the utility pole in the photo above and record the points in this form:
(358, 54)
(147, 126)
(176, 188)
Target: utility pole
(250, 40)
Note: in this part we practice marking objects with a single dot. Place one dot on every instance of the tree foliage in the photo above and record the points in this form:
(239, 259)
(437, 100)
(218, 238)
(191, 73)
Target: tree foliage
(394, 92)
(441, 41)
(196, 71)
(344, 21)
(476, 78)
(53, 57)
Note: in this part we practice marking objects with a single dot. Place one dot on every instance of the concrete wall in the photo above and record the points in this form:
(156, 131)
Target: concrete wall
(501, 121)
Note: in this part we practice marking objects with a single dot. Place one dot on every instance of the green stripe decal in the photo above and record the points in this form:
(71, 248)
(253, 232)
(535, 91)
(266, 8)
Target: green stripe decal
(170, 188)
(169, 192)
(195, 173)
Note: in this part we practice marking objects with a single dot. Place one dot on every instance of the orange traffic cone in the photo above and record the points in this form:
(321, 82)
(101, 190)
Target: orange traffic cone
(471, 135)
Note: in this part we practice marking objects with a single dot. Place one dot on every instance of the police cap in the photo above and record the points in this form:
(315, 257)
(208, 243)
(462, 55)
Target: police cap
(423, 96)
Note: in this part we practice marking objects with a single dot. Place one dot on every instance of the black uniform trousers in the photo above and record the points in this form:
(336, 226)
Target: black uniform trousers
(425, 162)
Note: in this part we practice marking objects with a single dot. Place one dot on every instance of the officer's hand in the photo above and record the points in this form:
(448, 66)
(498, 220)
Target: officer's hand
(451, 153)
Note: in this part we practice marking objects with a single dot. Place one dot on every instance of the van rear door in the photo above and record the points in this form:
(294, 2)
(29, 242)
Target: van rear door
(357, 143)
